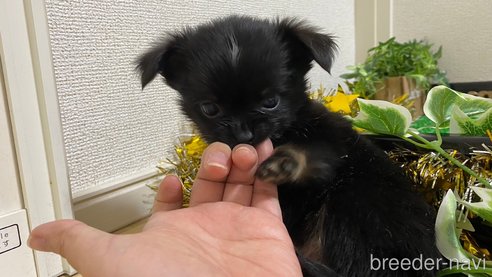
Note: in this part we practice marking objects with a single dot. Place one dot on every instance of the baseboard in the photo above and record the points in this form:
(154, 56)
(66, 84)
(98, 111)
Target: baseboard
(472, 86)
(118, 208)
(115, 184)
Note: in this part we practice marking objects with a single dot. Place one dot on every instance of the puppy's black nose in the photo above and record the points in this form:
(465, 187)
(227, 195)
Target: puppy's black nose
(244, 136)
(242, 133)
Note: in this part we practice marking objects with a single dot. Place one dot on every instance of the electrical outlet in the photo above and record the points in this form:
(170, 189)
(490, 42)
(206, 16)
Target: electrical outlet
(9, 238)
(16, 258)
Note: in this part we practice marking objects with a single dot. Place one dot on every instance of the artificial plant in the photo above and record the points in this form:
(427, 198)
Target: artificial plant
(442, 105)
(469, 115)
(413, 59)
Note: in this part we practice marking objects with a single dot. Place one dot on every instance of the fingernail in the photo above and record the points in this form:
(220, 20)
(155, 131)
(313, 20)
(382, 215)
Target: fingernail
(216, 159)
(37, 243)
(243, 149)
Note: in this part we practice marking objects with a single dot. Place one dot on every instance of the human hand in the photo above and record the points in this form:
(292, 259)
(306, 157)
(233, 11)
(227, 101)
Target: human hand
(232, 228)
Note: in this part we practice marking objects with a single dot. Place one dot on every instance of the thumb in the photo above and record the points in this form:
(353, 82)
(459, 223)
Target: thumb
(84, 247)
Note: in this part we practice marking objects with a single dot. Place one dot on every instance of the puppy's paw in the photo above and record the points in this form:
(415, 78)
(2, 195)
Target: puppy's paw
(287, 164)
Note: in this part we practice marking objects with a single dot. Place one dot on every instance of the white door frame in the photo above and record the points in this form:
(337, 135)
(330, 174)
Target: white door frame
(46, 194)
(373, 23)
(48, 103)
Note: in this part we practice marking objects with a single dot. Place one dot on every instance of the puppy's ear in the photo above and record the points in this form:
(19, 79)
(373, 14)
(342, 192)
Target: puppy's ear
(163, 58)
(307, 43)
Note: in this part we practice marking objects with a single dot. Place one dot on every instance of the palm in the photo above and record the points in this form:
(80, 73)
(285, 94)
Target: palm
(252, 243)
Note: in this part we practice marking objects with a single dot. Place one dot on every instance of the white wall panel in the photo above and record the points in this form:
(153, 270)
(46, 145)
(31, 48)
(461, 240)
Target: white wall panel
(463, 28)
(10, 196)
(111, 128)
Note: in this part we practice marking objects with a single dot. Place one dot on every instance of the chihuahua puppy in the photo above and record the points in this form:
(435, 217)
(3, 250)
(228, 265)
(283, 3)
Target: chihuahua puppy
(348, 209)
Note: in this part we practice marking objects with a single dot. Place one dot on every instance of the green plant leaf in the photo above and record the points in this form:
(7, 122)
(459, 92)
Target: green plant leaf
(447, 240)
(382, 117)
(475, 104)
(420, 79)
(461, 123)
(426, 126)
(471, 106)
(483, 208)
(440, 100)
(438, 54)
(485, 194)
(348, 75)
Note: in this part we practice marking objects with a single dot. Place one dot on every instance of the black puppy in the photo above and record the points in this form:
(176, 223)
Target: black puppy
(348, 209)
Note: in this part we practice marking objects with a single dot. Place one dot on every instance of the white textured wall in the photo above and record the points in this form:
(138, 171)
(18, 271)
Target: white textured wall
(111, 128)
(463, 28)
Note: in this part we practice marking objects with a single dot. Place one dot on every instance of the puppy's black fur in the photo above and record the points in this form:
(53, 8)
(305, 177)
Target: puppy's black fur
(242, 80)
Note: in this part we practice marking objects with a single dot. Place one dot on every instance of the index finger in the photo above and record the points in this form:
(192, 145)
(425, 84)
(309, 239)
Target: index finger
(265, 195)
(211, 177)
(239, 185)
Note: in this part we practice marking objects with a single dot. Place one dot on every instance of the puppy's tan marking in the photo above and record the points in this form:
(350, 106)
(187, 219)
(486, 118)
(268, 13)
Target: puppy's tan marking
(312, 249)
(287, 164)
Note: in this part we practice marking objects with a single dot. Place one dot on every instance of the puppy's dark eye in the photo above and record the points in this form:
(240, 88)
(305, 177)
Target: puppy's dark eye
(210, 109)
(270, 103)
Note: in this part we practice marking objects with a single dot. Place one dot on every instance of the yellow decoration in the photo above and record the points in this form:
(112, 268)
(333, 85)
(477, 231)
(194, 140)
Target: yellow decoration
(185, 165)
(336, 101)
(433, 175)
(404, 101)
(340, 102)
(193, 147)
(471, 245)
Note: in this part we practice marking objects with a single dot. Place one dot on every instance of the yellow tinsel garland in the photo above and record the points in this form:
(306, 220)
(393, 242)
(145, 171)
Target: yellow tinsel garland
(185, 165)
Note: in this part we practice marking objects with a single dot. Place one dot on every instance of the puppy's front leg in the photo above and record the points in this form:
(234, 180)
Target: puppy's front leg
(297, 163)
